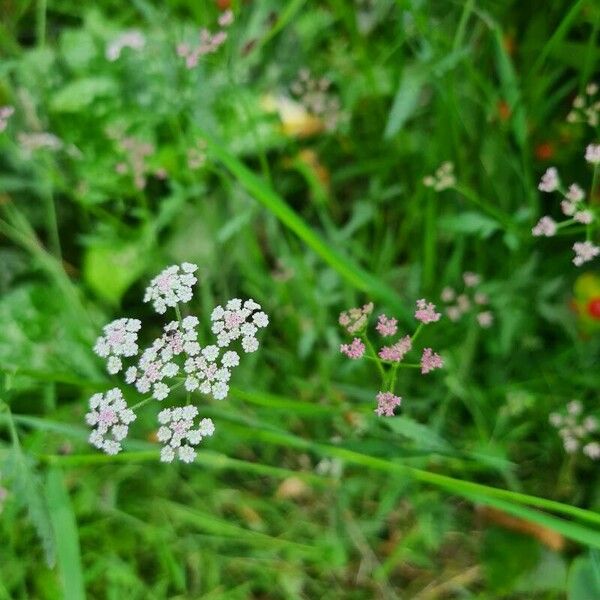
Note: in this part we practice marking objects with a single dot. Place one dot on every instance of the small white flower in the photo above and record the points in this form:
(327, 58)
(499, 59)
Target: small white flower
(249, 344)
(584, 216)
(160, 391)
(584, 252)
(133, 39)
(592, 154)
(231, 359)
(210, 353)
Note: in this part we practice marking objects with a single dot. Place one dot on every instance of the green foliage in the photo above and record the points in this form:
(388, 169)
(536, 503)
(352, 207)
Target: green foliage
(303, 491)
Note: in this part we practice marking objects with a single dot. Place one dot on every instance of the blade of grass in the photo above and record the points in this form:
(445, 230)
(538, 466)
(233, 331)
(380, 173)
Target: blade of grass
(353, 273)
(65, 533)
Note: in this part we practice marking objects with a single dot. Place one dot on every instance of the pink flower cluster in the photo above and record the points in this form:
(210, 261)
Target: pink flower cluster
(177, 434)
(386, 403)
(586, 108)
(5, 113)
(208, 42)
(391, 356)
(426, 312)
(356, 319)
(119, 340)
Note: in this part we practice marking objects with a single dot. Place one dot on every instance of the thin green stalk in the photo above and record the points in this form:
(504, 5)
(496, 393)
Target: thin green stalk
(373, 356)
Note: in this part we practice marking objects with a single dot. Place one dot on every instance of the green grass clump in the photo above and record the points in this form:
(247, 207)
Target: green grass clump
(303, 492)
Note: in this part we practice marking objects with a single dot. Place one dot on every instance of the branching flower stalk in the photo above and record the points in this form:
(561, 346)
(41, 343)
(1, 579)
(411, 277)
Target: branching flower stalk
(389, 358)
(174, 360)
(575, 207)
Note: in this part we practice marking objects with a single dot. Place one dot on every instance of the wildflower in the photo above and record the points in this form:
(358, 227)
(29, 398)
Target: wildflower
(448, 294)
(136, 152)
(109, 415)
(485, 319)
(584, 216)
(5, 113)
(546, 226)
(386, 403)
(31, 142)
(481, 298)
(204, 374)
(576, 430)
(133, 39)
(592, 154)
(471, 279)
(592, 450)
(396, 352)
(237, 320)
(177, 434)
(442, 179)
(314, 95)
(356, 319)
(226, 19)
(586, 108)
(426, 312)
(584, 252)
(550, 181)
(171, 286)
(430, 360)
(386, 326)
(354, 350)
(119, 340)
(208, 43)
(575, 193)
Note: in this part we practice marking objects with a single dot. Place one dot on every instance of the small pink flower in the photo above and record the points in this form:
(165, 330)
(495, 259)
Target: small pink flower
(386, 326)
(546, 226)
(386, 403)
(592, 154)
(550, 181)
(226, 19)
(430, 361)
(354, 350)
(396, 352)
(426, 312)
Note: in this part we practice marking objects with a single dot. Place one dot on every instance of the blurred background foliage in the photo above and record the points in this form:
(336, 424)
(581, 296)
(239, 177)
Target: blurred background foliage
(112, 169)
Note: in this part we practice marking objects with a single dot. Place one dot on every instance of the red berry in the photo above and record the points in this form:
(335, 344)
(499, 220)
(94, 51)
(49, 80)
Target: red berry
(594, 308)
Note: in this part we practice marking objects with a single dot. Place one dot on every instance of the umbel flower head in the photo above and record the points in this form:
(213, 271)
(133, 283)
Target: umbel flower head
(577, 430)
(178, 435)
(391, 356)
(574, 207)
(470, 300)
(110, 418)
(174, 360)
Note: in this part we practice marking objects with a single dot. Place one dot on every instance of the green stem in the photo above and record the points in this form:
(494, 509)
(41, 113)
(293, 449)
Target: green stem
(373, 356)
(178, 313)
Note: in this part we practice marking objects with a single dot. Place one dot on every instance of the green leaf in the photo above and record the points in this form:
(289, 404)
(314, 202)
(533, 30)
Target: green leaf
(583, 583)
(417, 432)
(470, 223)
(110, 268)
(345, 266)
(77, 48)
(405, 101)
(81, 93)
(65, 532)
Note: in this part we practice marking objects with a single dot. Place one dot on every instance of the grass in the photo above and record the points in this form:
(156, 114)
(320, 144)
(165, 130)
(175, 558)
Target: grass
(302, 492)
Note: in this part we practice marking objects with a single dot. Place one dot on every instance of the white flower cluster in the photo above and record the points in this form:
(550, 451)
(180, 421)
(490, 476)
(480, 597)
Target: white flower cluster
(586, 108)
(442, 179)
(119, 340)
(576, 430)
(171, 286)
(177, 434)
(109, 416)
(238, 320)
(173, 360)
(574, 206)
(468, 301)
(205, 375)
